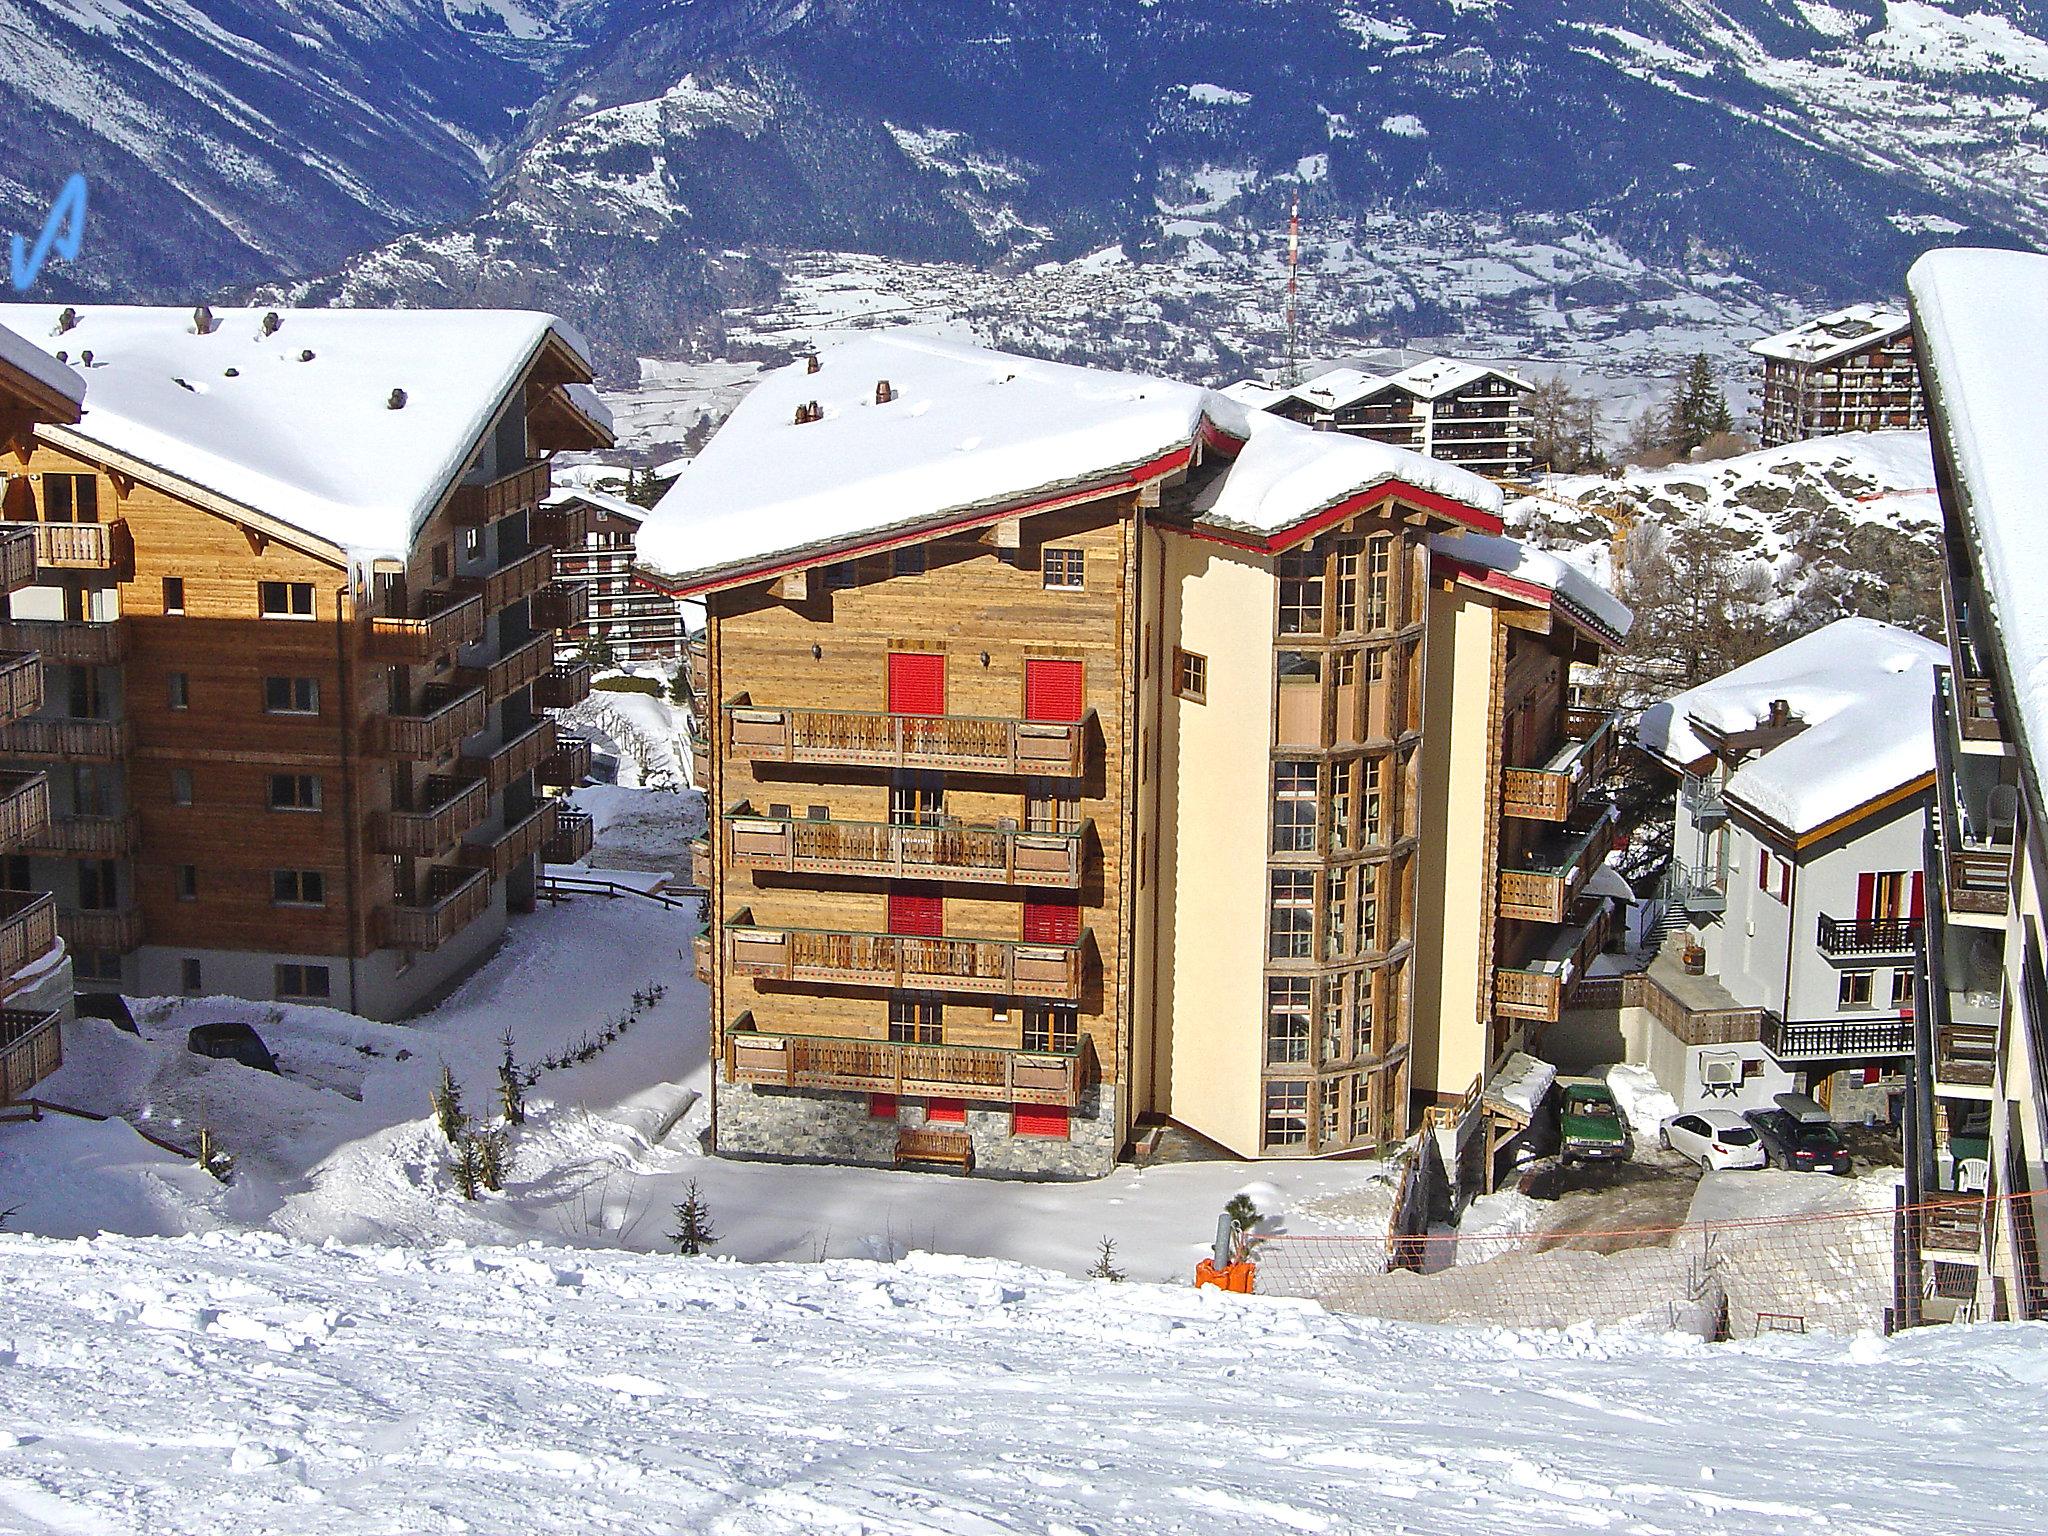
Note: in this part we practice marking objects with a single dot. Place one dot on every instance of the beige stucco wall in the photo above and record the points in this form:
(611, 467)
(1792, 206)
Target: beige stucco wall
(1451, 899)
(1210, 919)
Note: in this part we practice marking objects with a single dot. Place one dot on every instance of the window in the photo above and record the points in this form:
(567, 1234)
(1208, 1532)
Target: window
(1371, 804)
(174, 594)
(916, 805)
(881, 1106)
(96, 964)
(1344, 669)
(1294, 912)
(188, 882)
(1379, 574)
(71, 498)
(945, 1112)
(285, 599)
(1361, 1019)
(1902, 989)
(1286, 1114)
(1361, 1110)
(1063, 569)
(915, 1021)
(1191, 676)
(1368, 940)
(181, 786)
(472, 543)
(302, 981)
(1334, 936)
(179, 691)
(1287, 1015)
(1774, 875)
(1347, 591)
(1053, 1029)
(1331, 1046)
(291, 696)
(908, 561)
(294, 792)
(1301, 593)
(298, 888)
(189, 975)
(1039, 1120)
(1855, 989)
(1294, 807)
(99, 885)
(1051, 806)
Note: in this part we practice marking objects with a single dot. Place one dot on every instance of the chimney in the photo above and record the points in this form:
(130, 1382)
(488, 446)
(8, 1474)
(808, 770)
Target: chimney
(808, 413)
(884, 392)
(396, 402)
(202, 321)
(1781, 712)
(271, 321)
(67, 320)
(812, 363)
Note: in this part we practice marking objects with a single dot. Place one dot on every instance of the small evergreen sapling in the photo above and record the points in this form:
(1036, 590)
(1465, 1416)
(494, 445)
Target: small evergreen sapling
(467, 1165)
(447, 1101)
(490, 1158)
(1244, 1217)
(694, 1232)
(511, 1086)
(1105, 1267)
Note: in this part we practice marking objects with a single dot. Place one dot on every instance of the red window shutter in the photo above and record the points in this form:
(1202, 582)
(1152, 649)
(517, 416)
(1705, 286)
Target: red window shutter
(1039, 1120)
(918, 914)
(945, 1112)
(1052, 690)
(917, 683)
(1918, 911)
(1051, 922)
(881, 1106)
(1866, 898)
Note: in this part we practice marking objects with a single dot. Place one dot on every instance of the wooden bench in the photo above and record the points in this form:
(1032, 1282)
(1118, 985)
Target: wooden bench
(953, 1149)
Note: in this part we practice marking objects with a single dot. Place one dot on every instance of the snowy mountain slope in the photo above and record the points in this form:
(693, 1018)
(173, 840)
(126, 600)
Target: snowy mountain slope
(236, 1384)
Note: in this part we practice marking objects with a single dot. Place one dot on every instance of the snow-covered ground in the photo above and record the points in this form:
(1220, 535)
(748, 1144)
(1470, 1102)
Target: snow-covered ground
(239, 1384)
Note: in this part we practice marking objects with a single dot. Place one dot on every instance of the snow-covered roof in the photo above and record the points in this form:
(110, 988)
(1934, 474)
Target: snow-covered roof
(1580, 593)
(1430, 379)
(969, 433)
(24, 356)
(1440, 376)
(604, 501)
(1864, 692)
(1827, 337)
(300, 424)
(1254, 393)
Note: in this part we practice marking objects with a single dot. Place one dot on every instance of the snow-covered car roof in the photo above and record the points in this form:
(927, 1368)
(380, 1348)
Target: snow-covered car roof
(298, 419)
(1863, 692)
(1827, 337)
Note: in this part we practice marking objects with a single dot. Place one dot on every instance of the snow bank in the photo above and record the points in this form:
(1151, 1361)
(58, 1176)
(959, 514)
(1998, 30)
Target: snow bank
(1522, 1082)
(1643, 1101)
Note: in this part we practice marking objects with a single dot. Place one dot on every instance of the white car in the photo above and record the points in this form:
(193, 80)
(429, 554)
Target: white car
(1714, 1138)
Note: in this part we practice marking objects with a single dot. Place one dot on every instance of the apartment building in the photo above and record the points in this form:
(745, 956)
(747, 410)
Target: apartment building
(1802, 782)
(1459, 413)
(1978, 1150)
(35, 968)
(297, 615)
(626, 621)
(1849, 371)
(1066, 741)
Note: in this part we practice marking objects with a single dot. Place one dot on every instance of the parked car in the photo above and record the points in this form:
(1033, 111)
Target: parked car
(1800, 1135)
(1714, 1138)
(1589, 1123)
(231, 1041)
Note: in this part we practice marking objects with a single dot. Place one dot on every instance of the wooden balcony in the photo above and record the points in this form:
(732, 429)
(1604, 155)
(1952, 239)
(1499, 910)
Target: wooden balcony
(1953, 1230)
(28, 929)
(475, 505)
(453, 806)
(76, 642)
(440, 729)
(564, 526)
(89, 837)
(522, 755)
(512, 671)
(24, 807)
(561, 605)
(868, 739)
(1544, 885)
(21, 684)
(1541, 987)
(766, 1060)
(1583, 758)
(518, 842)
(700, 957)
(570, 843)
(981, 855)
(118, 929)
(1965, 1056)
(1802, 1040)
(509, 583)
(996, 967)
(93, 741)
(17, 556)
(78, 546)
(441, 622)
(565, 685)
(700, 758)
(457, 899)
(568, 765)
(697, 661)
(1868, 936)
(31, 1049)
(703, 864)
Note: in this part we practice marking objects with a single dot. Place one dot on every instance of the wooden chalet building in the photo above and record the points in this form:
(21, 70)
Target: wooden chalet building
(296, 600)
(1066, 756)
(1454, 412)
(635, 623)
(35, 969)
(1849, 371)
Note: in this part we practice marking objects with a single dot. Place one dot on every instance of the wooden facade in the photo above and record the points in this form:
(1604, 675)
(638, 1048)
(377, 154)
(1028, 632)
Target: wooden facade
(596, 551)
(1816, 390)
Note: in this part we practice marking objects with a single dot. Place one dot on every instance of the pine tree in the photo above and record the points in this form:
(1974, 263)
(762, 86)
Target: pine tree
(490, 1158)
(694, 1232)
(1105, 1263)
(1699, 410)
(511, 1086)
(467, 1165)
(1243, 1214)
(447, 1101)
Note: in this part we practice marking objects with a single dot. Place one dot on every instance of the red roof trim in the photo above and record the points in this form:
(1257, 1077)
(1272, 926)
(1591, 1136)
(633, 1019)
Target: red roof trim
(1344, 511)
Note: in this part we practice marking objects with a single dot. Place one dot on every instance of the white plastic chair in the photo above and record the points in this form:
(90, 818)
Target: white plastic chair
(1973, 1175)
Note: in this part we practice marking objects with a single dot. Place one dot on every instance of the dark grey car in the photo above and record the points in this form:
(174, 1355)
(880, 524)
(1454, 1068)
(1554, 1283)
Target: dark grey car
(1804, 1146)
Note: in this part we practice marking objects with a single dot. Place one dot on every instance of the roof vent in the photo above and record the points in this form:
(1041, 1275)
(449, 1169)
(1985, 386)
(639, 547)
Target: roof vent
(202, 321)
(396, 402)
(85, 357)
(884, 392)
(1781, 712)
(231, 373)
(809, 412)
(813, 363)
(63, 357)
(306, 356)
(271, 322)
(67, 321)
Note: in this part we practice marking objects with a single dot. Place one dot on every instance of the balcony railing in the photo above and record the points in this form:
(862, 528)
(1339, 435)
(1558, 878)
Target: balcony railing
(517, 843)
(574, 836)
(700, 957)
(89, 837)
(80, 546)
(1703, 799)
(443, 621)
(1953, 1229)
(453, 806)
(703, 866)
(1541, 989)
(1552, 791)
(512, 671)
(763, 1059)
(563, 686)
(1975, 696)
(99, 741)
(982, 855)
(1869, 936)
(1836, 1039)
(517, 578)
(561, 605)
(79, 642)
(118, 929)
(17, 556)
(441, 728)
(24, 807)
(456, 900)
(1551, 874)
(522, 755)
(28, 929)
(568, 765)
(697, 658)
(564, 526)
(1976, 870)
(1966, 1055)
(1701, 892)
(475, 505)
(31, 1049)
(21, 684)
(995, 966)
(954, 743)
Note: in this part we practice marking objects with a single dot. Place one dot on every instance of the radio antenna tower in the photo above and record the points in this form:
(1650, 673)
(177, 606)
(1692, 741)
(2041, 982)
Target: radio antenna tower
(1294, 291)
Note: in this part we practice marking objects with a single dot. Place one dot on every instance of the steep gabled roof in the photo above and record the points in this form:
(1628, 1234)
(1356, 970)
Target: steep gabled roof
(1827, 337)
(1535, 575)
(28, 371)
